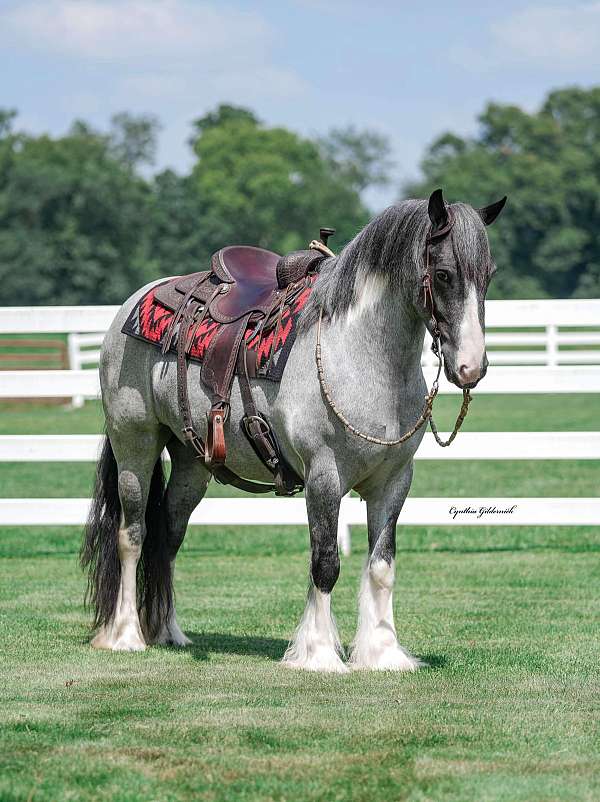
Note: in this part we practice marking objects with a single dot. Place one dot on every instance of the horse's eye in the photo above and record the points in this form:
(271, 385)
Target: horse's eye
(443, 276)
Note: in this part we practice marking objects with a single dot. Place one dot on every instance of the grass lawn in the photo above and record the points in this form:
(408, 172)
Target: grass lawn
(507, 619)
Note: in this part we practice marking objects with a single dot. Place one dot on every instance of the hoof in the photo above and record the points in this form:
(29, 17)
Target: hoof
(327, 661)
(169, 638)
(172, 635)
(127, 639)
(391, 659)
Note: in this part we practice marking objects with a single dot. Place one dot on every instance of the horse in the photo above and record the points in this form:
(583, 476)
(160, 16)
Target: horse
(369, 308)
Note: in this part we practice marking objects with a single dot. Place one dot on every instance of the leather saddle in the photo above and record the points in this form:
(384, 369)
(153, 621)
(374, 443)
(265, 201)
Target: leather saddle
(251, 281)
(244, 285)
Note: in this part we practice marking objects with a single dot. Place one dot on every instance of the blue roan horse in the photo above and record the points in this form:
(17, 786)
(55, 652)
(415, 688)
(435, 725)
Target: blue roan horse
(374, 316)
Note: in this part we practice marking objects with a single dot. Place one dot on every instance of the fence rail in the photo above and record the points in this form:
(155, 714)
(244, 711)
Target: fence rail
(501, 379)
(469, 446)
(292, 512)
(499, 314)
(540, 357)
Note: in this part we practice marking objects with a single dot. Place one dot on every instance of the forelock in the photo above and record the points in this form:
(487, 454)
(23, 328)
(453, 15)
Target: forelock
(470, 244)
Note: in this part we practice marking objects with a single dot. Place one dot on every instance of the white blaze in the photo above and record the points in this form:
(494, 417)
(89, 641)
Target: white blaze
(471, 341)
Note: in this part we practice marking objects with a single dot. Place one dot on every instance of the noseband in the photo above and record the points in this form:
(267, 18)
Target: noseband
(433, 238)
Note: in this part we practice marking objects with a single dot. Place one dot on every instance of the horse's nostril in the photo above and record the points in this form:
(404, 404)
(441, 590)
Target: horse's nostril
(469, 374)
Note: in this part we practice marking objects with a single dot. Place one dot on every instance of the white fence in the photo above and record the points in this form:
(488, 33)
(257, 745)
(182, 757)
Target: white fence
(546, 356)
(556, 349)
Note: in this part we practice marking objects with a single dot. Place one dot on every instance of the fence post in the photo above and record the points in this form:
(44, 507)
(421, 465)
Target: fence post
(551, 345)
(428, 358)
(343, 531)
(74, 364)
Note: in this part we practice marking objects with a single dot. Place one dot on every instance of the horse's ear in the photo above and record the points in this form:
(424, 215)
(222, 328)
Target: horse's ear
(489, 213)
(438, 214)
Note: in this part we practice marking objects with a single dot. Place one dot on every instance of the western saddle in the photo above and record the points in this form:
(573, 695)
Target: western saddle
(245, 285)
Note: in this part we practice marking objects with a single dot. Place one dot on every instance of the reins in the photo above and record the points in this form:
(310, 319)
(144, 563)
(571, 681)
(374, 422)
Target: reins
(426, 413)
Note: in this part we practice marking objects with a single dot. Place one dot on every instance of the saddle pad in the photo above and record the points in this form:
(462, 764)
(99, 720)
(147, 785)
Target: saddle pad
(149, 320)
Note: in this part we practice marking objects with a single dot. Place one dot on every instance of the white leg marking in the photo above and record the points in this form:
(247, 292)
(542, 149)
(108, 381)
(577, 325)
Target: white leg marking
(124, 633)
(471, 341)
(376, 645)
(171, 633)
(316, 644)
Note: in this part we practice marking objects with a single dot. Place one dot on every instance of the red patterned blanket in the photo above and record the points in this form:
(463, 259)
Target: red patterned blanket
(148, 321)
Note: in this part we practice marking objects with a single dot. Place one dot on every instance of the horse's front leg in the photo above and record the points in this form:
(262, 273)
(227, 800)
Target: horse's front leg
(316, 644)
(376, 645)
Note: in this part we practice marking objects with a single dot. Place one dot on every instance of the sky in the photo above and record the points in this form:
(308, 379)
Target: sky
(409, 70)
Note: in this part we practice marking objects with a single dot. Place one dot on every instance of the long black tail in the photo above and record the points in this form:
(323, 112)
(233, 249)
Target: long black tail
(99, 551)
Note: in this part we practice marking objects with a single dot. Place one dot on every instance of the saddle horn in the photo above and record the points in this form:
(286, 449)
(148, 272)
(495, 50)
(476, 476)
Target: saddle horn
(325, 233)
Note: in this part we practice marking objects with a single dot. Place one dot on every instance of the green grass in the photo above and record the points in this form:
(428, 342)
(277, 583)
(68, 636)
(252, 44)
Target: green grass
(544, 413)
(507, 618)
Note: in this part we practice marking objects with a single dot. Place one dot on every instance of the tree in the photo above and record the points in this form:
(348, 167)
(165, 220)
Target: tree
(133, 139)
(224, 114)
(548, 163)
(72, 220)
(79, 224)
(361, 158)
(268, 186)
(176, 226)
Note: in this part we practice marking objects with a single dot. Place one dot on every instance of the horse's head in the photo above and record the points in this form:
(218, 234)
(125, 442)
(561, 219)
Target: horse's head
(458, 269)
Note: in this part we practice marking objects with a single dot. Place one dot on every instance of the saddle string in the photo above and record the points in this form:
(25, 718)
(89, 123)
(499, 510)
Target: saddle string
(317, 245)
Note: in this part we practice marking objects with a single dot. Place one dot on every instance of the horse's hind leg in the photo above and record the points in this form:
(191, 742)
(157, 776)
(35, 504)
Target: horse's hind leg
(376, 645)
(137, 452)
(186, 488)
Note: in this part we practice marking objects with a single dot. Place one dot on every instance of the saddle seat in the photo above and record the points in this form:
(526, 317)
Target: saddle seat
(252, 280)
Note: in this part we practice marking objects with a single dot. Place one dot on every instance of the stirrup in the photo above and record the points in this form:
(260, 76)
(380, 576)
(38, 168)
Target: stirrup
(216, 450)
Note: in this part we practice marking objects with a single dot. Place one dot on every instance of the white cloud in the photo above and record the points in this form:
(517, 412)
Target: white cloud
(154, 48)
(568, 36)
(176, 58)
(132, 29)
(555, 38)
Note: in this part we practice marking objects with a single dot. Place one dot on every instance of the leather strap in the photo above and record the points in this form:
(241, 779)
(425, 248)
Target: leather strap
(216, 450)
(183, 398)
(183, 308)
(218, 365)
(213, 456)
(261, 437)
(433, 238)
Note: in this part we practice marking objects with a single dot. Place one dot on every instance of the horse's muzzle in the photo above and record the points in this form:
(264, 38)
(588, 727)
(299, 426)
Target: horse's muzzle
(464, 376)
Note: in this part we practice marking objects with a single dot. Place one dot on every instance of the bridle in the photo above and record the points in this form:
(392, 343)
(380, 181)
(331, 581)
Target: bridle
(433, 238)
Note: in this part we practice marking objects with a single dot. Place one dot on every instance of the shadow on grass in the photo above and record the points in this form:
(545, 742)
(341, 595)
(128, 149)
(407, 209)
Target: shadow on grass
(205, 643)
(433, 661)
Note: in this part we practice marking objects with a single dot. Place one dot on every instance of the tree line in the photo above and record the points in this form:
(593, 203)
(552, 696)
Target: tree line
(83, 220)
